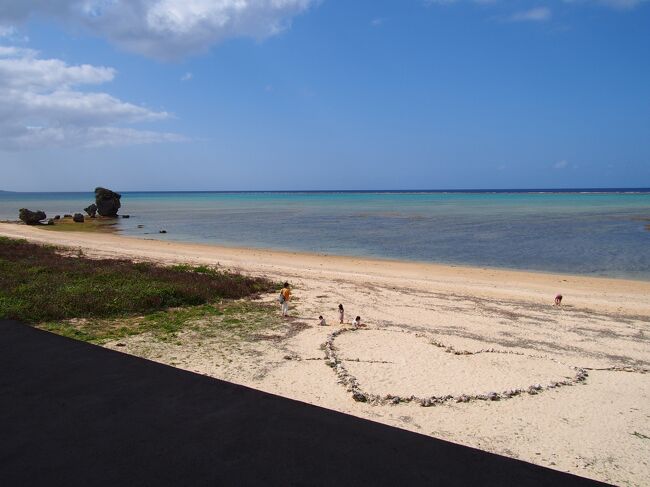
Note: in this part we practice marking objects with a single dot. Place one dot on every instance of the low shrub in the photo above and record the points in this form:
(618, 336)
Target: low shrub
(43, 283)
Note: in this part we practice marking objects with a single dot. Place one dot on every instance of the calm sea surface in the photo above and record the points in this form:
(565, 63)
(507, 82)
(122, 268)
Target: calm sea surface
(581, 233)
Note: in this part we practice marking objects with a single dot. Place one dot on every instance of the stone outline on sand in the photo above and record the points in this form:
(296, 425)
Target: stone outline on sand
(358, 394)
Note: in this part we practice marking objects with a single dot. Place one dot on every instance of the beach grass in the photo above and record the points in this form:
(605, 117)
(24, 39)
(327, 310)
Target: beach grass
(236, 320)
(45, 284)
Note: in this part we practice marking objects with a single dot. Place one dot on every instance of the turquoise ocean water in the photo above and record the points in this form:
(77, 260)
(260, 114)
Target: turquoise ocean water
(587, 233)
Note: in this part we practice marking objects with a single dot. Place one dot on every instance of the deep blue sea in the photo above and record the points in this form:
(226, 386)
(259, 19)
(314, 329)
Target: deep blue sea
(578, 232)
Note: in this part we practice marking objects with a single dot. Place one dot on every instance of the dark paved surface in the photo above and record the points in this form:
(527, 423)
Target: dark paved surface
(75, 414)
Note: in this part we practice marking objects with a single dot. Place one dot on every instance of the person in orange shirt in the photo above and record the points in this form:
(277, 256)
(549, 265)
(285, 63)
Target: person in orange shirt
(285, 297)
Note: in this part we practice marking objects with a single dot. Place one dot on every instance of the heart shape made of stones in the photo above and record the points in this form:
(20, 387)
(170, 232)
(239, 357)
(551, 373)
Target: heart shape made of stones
(389, 364)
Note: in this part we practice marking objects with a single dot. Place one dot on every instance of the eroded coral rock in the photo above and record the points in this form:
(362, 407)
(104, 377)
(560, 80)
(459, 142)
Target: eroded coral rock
(31, 217)
(107, 201)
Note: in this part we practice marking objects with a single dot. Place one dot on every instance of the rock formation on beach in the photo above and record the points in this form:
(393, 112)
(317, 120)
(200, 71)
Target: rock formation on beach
(78, 218)
(91, 210)
(107, 201)
(31, 217)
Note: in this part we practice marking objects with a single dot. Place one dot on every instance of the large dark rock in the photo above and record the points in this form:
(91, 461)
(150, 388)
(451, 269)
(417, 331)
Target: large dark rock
(91, 210)
(78, 217)
(107, 201)
(31, 217)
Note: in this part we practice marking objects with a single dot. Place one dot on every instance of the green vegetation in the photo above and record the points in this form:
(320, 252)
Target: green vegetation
(236, 320)
(103, 299)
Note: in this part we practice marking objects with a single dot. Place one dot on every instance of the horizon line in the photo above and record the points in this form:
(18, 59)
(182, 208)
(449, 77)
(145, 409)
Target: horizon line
(463, 190)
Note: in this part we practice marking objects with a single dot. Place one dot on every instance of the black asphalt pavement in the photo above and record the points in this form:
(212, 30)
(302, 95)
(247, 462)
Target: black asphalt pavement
(73, 414)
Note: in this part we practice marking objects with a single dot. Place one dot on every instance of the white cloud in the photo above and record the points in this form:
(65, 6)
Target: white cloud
(377, 22)
(165, 29)
(537, 14)
(7, 30)
(560, 164)
(187, 77)
(10, 34)
(622, 3)
(20, 68)
(439, 2)
(41, 106)
(617, 4)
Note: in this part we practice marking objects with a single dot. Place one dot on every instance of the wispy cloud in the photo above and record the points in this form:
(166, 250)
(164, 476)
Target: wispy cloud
(187, 76)
(537, 14)
(377, 22)
(10, 34)
(42, 105)
(617, 4)
(7, 30)
(563, 164)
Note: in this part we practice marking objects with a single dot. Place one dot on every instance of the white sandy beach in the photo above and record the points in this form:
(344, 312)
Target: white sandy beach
(598, 427)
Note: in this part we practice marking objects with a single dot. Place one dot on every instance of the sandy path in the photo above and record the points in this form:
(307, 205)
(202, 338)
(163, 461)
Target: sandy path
(599, 428)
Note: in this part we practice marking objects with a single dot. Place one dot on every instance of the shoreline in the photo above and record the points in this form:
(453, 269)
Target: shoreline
(390, 260)
(578, 373)
(542, 285)
(307, 254)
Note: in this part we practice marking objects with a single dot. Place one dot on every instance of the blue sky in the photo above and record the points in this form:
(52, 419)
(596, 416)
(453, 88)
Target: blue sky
(331, 94)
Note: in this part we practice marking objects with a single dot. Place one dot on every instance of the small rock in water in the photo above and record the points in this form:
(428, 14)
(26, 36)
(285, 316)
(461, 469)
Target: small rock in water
(91, 210)
(140, 226)
(126, 216)
(162, 231)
